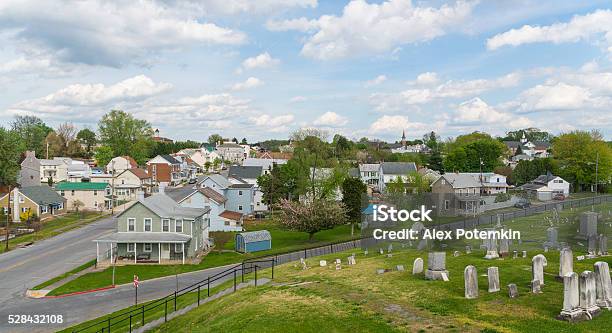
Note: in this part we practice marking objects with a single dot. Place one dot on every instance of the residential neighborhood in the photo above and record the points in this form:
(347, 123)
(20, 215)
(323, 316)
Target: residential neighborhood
(305, 166)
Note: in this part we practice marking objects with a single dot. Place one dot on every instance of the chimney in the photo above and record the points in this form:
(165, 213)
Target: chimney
(140, 195)
(16, 209)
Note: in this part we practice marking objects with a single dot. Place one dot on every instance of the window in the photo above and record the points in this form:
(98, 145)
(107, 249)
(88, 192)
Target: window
(178, 226)
(6, 210)
(43, 209)
(227, 223)
(446, 204)
(130, 247)
(21, 200)
(148, 247)
(443, 182)
(72, 192)
(61, 206)
(239, 192)
(24, 209)
(62, 193)
(178, 247)
(165, 225)
(240, 207)
(131, 224)
(95, 192)
(147, 224)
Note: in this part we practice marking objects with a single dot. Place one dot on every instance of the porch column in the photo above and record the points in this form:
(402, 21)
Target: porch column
(183, 252)
(97, 252)
(159, 251)
(111, 251)
(135, 253)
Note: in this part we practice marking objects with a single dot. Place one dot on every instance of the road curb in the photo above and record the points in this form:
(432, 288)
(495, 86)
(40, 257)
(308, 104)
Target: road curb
(81, 292)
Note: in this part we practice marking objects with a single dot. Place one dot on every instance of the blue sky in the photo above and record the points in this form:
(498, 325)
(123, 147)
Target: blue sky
(264, 69)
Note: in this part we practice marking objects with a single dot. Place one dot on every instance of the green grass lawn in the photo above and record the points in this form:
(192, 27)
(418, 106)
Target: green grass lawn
(54, 227)
(282, 241)
(356, 299)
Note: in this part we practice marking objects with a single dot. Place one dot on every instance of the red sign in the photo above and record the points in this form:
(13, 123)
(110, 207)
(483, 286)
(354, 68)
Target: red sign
(136, 281)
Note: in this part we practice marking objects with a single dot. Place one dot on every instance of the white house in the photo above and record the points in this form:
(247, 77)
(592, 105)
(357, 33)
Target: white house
(546, 186)
(368, 173)
(491, 183)
(249, 175)
(120, 163)
(231, 152)
(266, 163)
(390, 171)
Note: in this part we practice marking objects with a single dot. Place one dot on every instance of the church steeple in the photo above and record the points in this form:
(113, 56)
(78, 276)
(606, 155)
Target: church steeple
(403, 138)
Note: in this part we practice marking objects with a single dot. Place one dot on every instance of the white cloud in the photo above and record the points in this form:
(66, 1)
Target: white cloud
(450, 89)
(251, 82)
(365, 28)
(477, 112)
(274, 124)
(427, 78)
(581, 27)
(263, 60)
(330, 119)
(394, 124)
(108, 33)
(376, 81)
(558, 96)
(298, 99)
(230, 7)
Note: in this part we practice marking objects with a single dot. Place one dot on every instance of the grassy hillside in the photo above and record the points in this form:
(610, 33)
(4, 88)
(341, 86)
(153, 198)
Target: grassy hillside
(356, 299)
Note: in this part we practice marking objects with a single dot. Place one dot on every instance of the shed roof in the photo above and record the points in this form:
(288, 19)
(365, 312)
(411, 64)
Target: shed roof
(256, 236)
(144, 237)
(249, 172)
(398, 168)
(228, 214)
(212, 194)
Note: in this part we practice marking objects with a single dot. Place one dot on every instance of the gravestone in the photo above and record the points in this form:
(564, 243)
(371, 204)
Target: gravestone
(400, 268)
(588, 225)
(338, 266)
(365, 253)
(571, 310)
(512, 291)
(545, 248)
(417, 266)
(381, 251)
(468, 249)
(380, 271)
(592, 247)
(338, 261)
(537, 268)
(303, 263)
(389, 255)
(470, 276)
(566, 262)
(603, 245)
(351, 260)
(322, 263)
(436, 265)
(552, 235)
(524, 254)
(504, 247)
(603, 285)
(536, 287)
(491, 247)
(444, 277)
(514, 254)
(588, 293)
(456, 254)
(389, 248)
(493, 277)
(422, 244)
(580, 258)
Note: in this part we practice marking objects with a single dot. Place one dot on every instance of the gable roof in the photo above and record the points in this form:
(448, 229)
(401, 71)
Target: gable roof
(398, 168)
(170, 159)
(512, 144)
(544, 179)
(241, 186)
(231, 215)
(179, 194)
(86, 186)
(255, 236)
(131, 161)
(140, 173)
(249, 172)
(217, 178)
(369, 167)
(460, 180)
(212, 194)
(163, 206)
(42, 195)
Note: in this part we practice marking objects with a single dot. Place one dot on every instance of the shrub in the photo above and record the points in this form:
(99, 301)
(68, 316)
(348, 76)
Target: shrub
(502, 197)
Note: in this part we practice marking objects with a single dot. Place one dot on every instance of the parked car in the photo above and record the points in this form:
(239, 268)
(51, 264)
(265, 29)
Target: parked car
(193, 180)
(559, 196)
(522, 204)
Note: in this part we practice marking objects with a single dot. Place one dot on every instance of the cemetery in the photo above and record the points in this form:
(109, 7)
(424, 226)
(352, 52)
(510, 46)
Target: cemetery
(550, 281)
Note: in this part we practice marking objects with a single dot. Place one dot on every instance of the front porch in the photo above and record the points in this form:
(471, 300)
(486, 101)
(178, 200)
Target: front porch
(128, 248)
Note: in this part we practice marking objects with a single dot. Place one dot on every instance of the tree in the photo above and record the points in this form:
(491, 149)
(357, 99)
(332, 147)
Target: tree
(234, 140)
(121, 132)
(88, 137)
(55, 145)
(221, 238)
(396, 185)
(473, 152)
(244, 141)
(352, 191)
(579, 153)
(311, 216)
(216, 162)
(531, 134)
(214, 139)
(77, 204)
(11, 147)
(103, 155)
(526, 171)
(418, 183)
(207, 165)
(32, 131)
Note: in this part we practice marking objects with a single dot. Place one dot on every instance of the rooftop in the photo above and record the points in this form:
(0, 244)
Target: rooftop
(81, 186)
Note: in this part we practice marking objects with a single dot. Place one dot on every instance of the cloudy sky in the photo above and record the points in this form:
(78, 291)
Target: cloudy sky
(261, 69)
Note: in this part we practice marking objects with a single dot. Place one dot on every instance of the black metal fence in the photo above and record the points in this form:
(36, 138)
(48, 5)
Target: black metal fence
(508, 216)
(136, 317)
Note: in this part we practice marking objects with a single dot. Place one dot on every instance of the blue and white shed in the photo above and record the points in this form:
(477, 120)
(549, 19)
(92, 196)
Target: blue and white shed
(253, 241)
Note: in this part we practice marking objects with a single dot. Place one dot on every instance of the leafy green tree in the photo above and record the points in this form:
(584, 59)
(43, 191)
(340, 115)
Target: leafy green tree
(473, 152)
(579, 153)
(32, 131)
(311, 216)
(531, 134)
(243, 141)
(396, 185)
(216, 163)
(88, 137)
(120, 131)
(215, 138)
(11, 147)
(103, 155)
(526, 171)
(352, 191)
(418, 183)
(207, 165)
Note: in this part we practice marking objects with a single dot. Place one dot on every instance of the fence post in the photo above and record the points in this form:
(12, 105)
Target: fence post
(273, 262)
(208, 287)
(166, 310)
(175, 300)
(242, 272)
(109, 324)
(234, 280)
(130, 323)
(198, 295)
(255, 275)
(304, 253)
(143, 321)
(331, 248)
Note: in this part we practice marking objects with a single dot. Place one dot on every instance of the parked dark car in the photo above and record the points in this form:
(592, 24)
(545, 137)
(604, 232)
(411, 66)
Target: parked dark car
(193, 181)
(522, 204)
(559, 196)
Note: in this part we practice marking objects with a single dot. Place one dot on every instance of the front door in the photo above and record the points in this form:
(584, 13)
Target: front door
(165, 251)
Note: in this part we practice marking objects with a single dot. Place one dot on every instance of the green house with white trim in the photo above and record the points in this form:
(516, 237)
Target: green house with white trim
(86, 195)
(156, 230)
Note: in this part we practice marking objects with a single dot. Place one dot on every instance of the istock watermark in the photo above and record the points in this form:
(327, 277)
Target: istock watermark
(383, 213)
(433, 234)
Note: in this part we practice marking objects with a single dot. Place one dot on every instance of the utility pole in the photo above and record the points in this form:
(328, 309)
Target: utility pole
(113, 188)
(596, 171)
(47, 148)
(8, 214)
